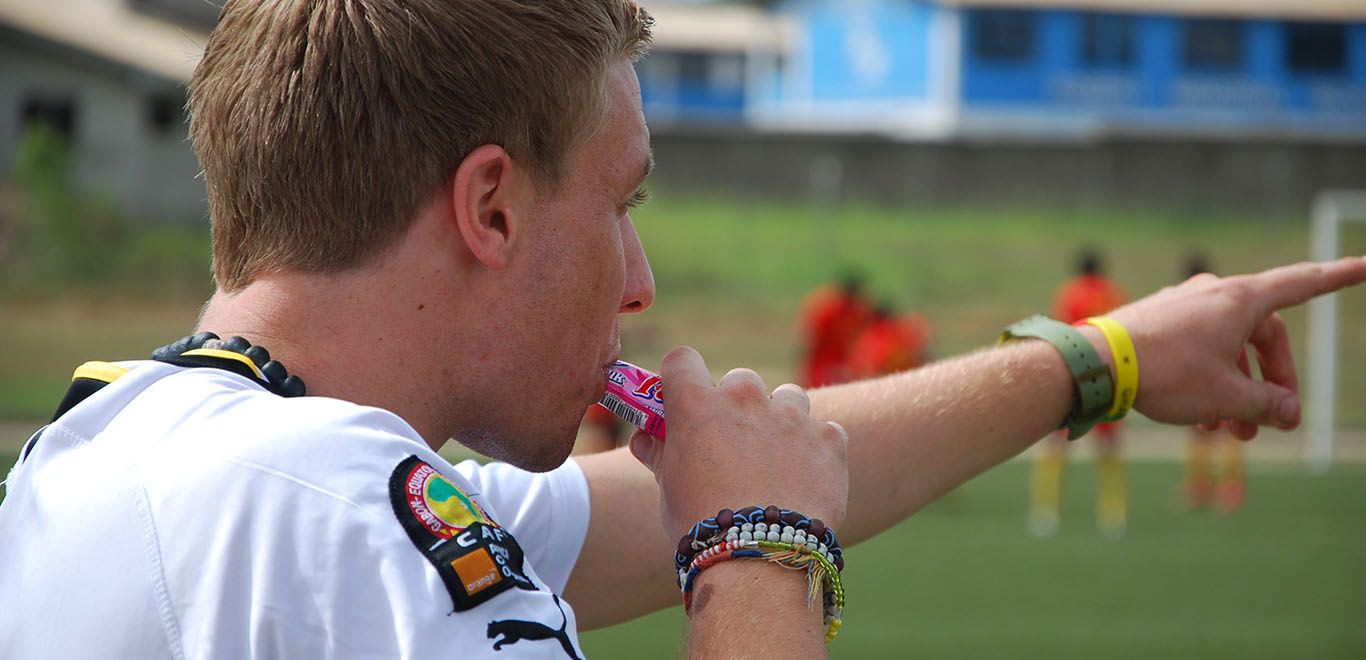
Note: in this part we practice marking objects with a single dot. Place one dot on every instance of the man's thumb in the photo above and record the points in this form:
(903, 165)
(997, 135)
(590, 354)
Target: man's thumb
(1269, 404)
(645, 448)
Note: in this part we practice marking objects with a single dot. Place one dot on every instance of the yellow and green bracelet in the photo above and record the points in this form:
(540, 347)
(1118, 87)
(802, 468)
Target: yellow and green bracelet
(1126, 366)
(1095, 390)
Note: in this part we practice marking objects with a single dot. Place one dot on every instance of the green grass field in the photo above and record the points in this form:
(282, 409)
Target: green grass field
(1281, 579)
(964, 580)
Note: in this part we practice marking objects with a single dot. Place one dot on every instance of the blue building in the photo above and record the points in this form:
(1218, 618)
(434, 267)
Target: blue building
(709, 63)
(1066, 68)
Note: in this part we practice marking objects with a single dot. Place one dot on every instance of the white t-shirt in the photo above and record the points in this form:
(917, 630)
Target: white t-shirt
(188, 513)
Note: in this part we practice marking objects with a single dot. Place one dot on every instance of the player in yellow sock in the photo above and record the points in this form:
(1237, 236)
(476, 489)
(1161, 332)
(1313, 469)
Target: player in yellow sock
(1112, 507)
(1045, 488)
(1200, 488)
(1089, 293)
(1232, 489)
(1224, 489)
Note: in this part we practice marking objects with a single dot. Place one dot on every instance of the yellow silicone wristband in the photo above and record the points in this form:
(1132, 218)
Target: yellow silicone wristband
(1126, 365)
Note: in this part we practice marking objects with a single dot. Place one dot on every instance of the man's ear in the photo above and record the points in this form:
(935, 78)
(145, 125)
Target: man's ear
(489, 200)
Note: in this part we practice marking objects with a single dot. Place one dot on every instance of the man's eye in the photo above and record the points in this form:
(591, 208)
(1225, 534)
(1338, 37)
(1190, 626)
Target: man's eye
(638, 198)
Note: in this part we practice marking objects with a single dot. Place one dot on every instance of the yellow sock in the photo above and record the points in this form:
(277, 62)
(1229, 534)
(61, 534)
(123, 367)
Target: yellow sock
(1045, 490)
(1232, 490)
(1199, 471)
(1233, 461)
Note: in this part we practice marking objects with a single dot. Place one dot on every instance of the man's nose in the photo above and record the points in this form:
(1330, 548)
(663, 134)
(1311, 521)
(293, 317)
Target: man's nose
(640, 281)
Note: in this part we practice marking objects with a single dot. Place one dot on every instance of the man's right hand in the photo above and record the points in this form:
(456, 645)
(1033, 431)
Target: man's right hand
(1192, 341)
(733, 444)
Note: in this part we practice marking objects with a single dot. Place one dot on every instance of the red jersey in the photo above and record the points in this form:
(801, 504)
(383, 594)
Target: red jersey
(890, 345)
(1086, 295)
(831, 321)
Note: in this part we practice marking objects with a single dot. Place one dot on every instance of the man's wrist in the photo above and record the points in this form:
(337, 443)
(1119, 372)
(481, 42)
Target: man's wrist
(1097, 339)
(774, 535)
(1094, 386)
(734, 599)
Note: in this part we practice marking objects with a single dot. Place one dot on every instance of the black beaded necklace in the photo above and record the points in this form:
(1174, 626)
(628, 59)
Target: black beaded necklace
(205, 349)
(234, 354)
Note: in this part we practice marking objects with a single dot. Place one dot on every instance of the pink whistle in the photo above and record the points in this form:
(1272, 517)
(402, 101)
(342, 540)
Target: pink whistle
(637, 396)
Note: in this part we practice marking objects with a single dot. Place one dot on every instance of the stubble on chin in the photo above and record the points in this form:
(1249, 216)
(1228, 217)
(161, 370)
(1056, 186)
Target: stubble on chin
(529, 456)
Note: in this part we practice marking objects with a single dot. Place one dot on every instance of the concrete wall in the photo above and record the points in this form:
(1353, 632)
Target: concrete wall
(1270, 177)
(148, 173)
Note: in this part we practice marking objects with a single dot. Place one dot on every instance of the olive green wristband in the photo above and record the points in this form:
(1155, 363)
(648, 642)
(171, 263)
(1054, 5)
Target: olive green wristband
(1095, 390)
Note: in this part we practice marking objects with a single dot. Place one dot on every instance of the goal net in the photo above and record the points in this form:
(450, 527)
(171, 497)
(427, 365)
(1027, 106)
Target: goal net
(1331, 210)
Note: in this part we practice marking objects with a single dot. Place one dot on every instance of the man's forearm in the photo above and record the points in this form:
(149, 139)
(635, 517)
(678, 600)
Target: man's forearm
(912, 437)
(916, 435)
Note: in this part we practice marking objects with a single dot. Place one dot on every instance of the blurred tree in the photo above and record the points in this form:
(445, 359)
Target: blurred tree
(59, 236)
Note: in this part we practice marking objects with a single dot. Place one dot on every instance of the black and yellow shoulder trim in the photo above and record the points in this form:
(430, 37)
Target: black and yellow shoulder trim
(199, 350)
(88, 379)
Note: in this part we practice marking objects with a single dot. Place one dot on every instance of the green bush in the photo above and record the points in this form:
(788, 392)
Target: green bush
(61, 239)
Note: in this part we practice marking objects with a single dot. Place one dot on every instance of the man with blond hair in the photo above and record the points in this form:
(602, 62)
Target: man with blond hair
(422, 208)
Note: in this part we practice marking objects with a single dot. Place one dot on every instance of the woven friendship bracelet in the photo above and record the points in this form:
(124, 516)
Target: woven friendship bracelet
(823, 578)
(780, 536)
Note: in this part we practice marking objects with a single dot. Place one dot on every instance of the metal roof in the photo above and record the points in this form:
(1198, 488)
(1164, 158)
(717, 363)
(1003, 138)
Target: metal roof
(110, 30)
(719, 28)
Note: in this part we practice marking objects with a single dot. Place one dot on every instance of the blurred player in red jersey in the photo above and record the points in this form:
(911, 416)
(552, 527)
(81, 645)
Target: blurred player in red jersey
(832, 317)
(1089, 293)
(1227, 489)
(890, 344)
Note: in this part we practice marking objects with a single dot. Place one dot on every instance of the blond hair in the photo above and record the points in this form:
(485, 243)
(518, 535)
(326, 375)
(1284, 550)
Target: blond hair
(324, 125)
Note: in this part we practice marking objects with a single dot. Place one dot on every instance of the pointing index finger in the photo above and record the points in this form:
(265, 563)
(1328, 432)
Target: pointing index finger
(1292, 285)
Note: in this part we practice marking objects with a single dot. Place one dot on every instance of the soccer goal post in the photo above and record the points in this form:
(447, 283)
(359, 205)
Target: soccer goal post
(1331, 209)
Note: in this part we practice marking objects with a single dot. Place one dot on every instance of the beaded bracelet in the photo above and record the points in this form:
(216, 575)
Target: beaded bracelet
(781, 536)
(742, 534)
(772, 522)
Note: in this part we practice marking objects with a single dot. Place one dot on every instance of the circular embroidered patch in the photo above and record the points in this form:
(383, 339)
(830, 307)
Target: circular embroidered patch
(436, 503)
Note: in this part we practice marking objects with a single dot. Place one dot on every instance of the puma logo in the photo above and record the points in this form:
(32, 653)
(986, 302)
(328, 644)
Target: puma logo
(514, 631)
